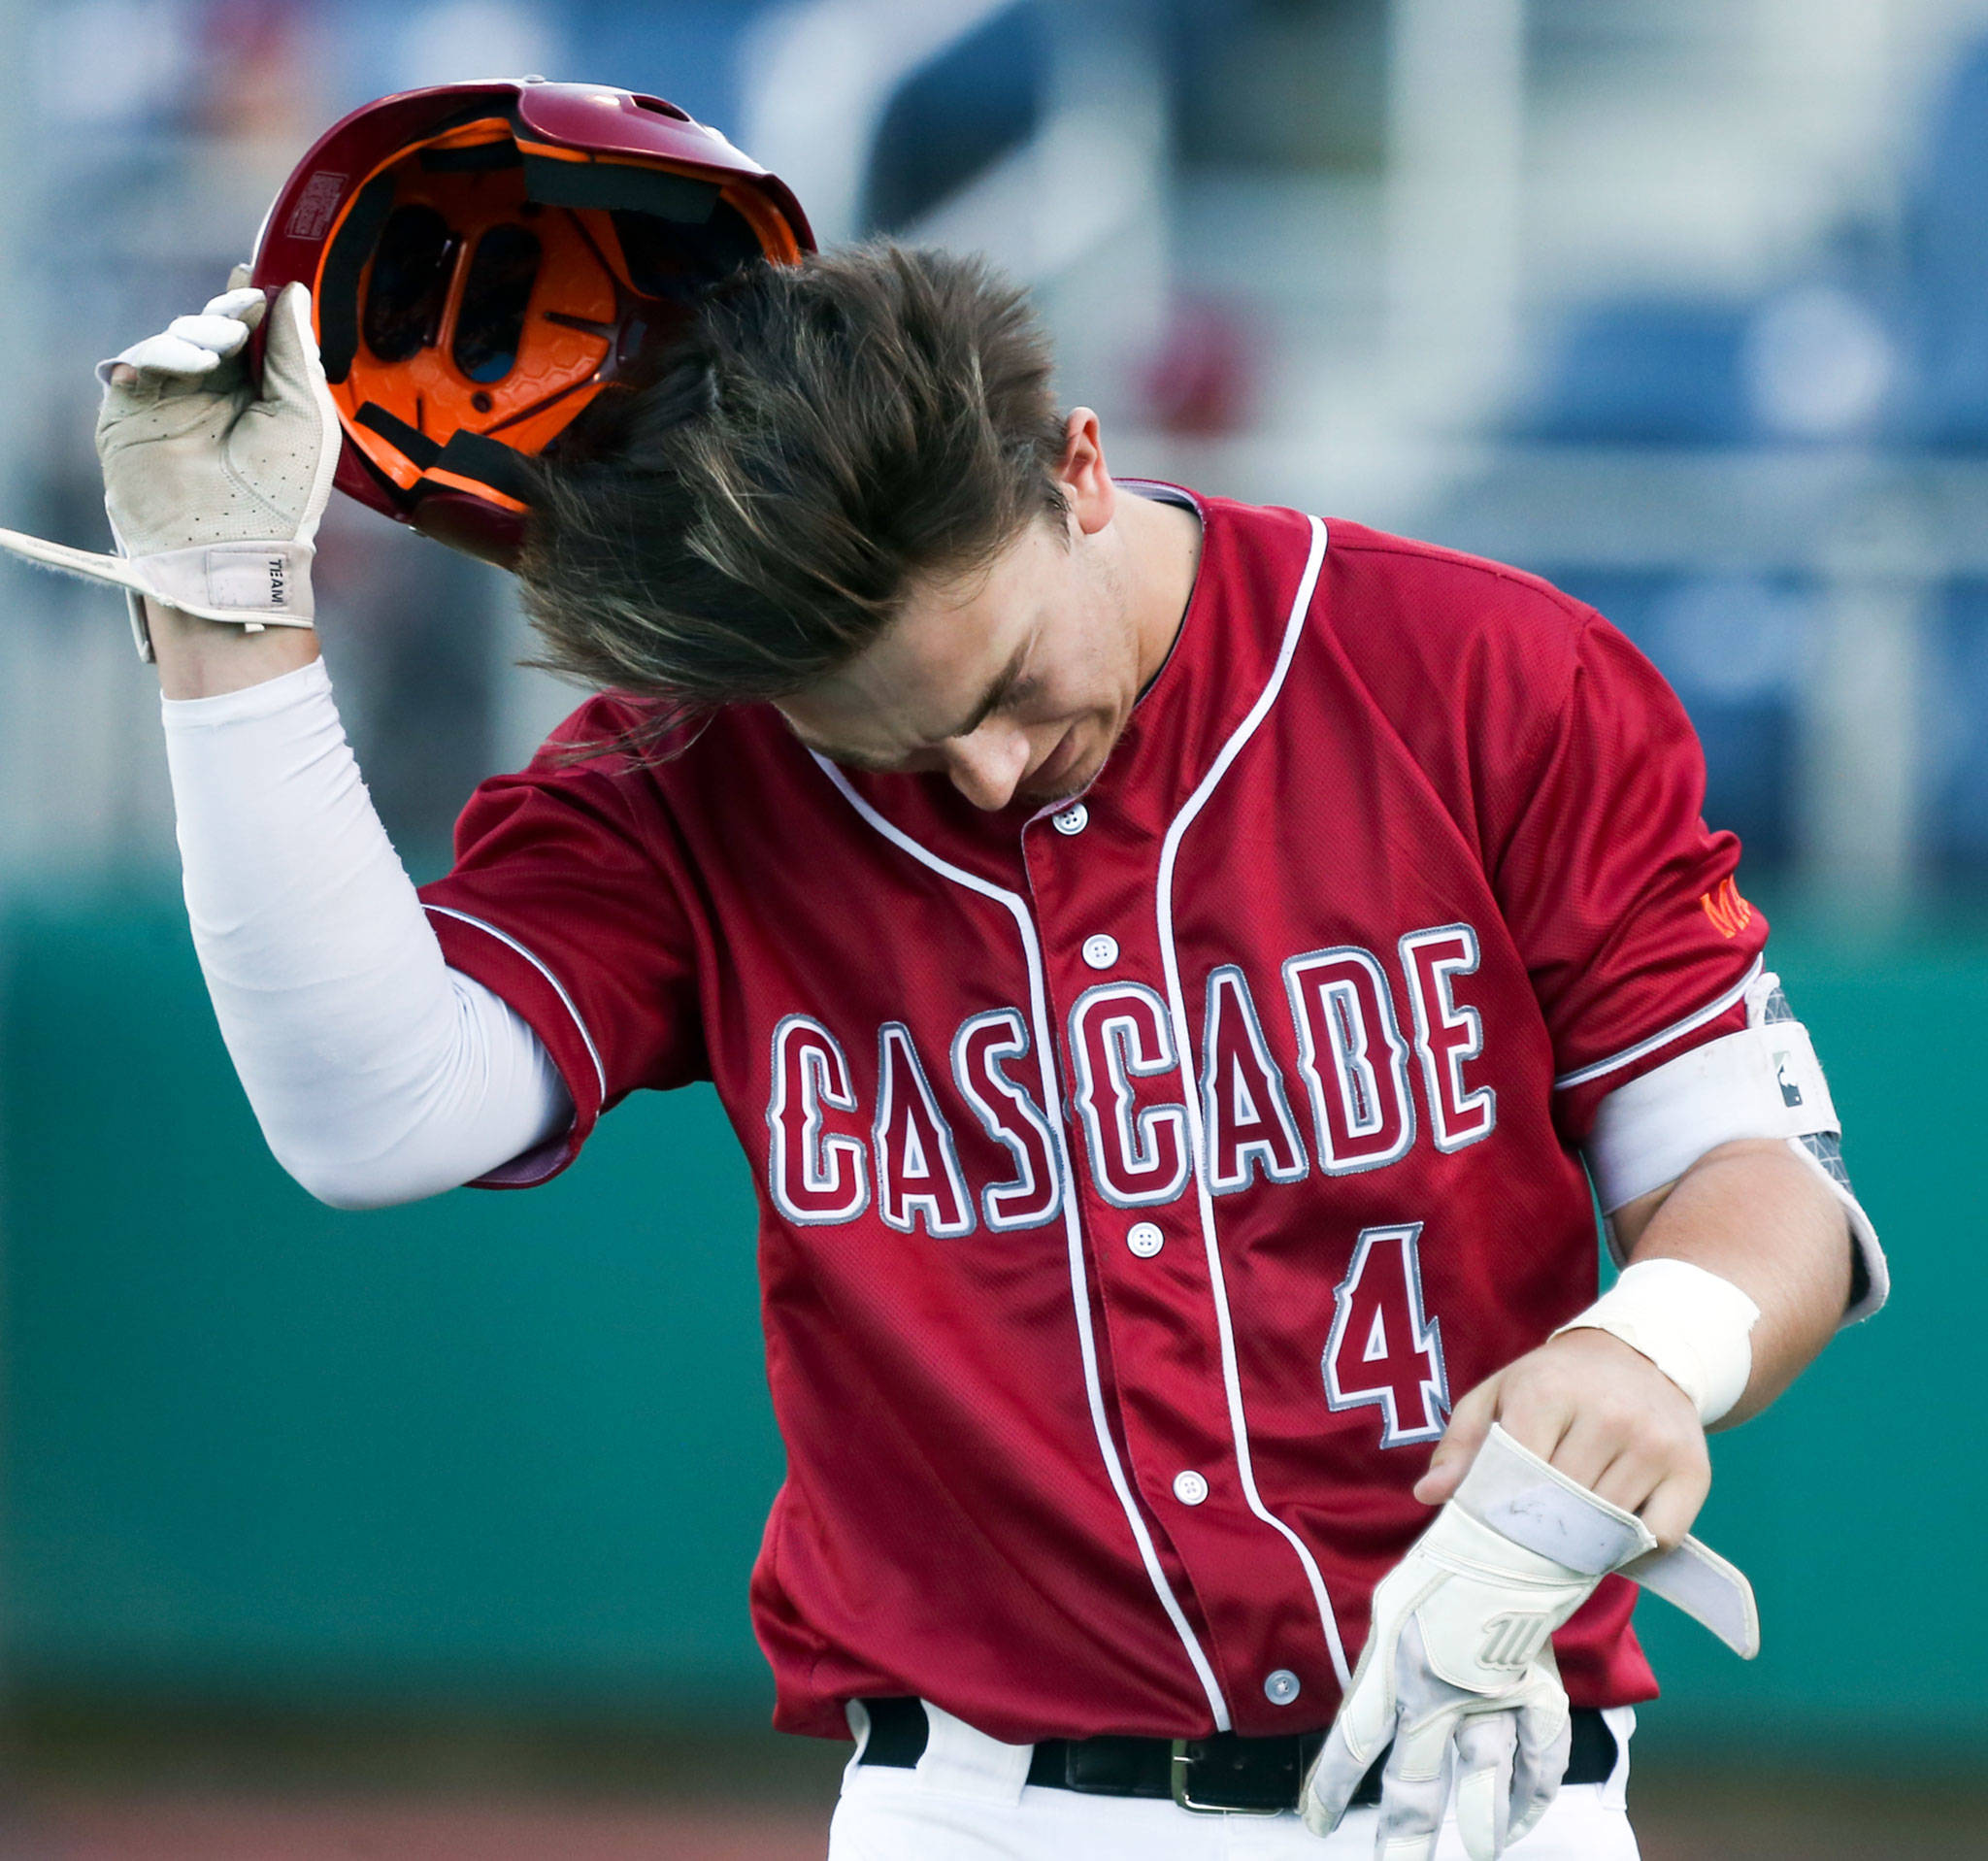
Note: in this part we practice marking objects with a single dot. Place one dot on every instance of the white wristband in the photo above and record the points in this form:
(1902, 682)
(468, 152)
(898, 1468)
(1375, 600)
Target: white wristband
(1693, 1325)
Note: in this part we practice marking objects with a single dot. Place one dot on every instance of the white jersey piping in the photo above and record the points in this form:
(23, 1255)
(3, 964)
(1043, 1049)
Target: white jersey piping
(1079, 1294)
(1170, 962)
(558, 987)
(1628, 1055)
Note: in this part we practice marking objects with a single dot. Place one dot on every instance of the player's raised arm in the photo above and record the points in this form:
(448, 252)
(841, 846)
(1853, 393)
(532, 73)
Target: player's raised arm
(378, 1074)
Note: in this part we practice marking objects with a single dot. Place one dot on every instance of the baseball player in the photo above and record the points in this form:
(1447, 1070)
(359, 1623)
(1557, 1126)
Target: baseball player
(1175, 968)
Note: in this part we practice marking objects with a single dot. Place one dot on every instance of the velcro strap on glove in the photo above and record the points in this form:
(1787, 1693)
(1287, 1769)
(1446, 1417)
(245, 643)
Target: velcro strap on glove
(253, 584)
(265, 581)
(1516, 1493)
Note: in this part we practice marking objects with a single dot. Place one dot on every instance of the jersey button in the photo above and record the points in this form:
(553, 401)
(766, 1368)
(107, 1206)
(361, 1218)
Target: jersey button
(1189, 1488)
(1281, 1687)
(1144, 1239)
(1101, 952)
(1074, 819)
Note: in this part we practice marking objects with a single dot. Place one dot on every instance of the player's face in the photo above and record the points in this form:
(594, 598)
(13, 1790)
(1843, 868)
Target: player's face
(1014, 682)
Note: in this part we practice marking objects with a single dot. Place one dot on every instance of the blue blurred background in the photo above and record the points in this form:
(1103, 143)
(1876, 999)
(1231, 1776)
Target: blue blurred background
(1684, 305)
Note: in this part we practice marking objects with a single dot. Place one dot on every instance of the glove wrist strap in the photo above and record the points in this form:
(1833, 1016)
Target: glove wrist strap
(1522, 1497)
(248, 583)
(1511, 1490)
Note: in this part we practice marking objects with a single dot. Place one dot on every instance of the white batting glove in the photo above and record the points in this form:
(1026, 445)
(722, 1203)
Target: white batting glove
(1458, 1671)
(214, 490)
(1458, 1667)
(194, 345)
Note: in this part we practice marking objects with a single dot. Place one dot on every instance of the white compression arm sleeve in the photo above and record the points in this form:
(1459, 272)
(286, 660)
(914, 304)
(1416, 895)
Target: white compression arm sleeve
(378, 1074)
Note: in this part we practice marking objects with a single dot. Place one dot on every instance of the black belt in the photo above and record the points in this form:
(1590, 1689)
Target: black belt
(1225, 1772)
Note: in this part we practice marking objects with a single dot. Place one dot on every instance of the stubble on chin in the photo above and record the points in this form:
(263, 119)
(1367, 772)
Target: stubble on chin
(1072, 784)
(1057, 796)
(1058, 793)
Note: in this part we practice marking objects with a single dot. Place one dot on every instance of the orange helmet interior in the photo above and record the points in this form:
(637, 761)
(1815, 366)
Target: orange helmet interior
(481, 288)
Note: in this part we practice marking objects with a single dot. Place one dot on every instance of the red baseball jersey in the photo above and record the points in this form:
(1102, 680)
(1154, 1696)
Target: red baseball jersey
(1141, 1180)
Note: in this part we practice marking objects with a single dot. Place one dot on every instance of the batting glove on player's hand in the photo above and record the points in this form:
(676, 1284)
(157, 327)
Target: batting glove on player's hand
(215, 490)
(1458, 1668)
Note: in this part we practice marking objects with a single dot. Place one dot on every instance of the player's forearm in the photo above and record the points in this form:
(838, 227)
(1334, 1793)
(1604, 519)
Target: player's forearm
(207, 658)
(1754, 1213)
(378, 1074)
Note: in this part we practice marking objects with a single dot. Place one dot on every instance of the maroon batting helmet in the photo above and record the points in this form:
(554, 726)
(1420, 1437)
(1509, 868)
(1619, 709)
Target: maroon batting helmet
(484, 259)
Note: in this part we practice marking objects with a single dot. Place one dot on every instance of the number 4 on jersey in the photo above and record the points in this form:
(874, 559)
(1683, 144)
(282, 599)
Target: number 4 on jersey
(1384, 1348)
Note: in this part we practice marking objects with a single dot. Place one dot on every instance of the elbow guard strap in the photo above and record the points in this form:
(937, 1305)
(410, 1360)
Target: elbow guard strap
(1764, 1081)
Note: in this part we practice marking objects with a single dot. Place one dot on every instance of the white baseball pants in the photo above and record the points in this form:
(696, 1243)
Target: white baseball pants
(968, 1801)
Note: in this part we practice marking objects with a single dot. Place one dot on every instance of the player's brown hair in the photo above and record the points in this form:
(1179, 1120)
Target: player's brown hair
(822, 437)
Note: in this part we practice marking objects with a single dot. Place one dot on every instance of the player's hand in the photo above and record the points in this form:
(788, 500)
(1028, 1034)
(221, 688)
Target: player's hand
(1600, 1413)
(197, 455)
(1458, 1675)
(214, 482)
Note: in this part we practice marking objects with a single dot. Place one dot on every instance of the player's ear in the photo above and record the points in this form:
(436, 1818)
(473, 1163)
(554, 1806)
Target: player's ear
(1081, 472)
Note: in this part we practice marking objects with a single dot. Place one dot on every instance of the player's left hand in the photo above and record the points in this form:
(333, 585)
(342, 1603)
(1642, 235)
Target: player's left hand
(1458, 1674)
(1609, 1422)
(1458, 1677)
(1598, 1411)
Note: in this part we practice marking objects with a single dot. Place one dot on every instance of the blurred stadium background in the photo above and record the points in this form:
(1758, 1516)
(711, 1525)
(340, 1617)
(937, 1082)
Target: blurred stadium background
(427, 1533)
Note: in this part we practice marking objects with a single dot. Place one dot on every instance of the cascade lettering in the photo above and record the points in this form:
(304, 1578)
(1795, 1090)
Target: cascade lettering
(830, 1156)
